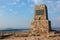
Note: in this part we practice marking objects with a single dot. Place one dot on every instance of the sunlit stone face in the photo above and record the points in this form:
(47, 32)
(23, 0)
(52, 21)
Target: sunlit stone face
(39, 12)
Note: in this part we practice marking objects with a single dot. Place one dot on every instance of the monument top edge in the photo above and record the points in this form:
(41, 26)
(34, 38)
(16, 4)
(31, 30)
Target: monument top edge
(41, 5)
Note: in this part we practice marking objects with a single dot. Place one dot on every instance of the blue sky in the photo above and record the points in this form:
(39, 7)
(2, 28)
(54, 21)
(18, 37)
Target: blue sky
(19, 13)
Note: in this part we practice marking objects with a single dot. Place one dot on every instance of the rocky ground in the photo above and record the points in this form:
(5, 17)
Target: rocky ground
(33, 38)
(19, 36)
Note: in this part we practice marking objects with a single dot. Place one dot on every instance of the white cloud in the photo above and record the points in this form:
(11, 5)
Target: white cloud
(35, 1)
(38, 1)
(54, 6)
(14, 2)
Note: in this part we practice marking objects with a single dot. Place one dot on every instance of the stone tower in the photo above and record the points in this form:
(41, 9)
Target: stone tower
(40, 24)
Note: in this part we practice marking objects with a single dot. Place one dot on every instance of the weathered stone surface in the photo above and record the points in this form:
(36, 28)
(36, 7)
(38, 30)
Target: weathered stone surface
(40, 24)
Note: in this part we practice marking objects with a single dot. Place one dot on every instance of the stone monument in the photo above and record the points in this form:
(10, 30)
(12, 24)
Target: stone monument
(40, 24)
